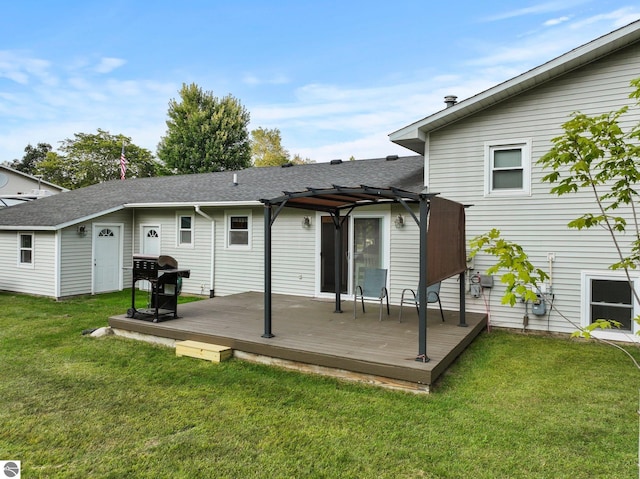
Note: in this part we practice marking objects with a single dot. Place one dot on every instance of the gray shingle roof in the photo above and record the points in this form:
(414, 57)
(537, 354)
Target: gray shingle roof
(254, 184)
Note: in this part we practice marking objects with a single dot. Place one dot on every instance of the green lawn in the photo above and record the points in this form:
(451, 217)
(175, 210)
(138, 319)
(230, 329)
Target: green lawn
(513, 406)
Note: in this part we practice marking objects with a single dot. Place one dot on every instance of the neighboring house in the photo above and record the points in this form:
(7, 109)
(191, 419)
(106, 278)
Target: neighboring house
(82, 241)
(17, 187)
(483, 152)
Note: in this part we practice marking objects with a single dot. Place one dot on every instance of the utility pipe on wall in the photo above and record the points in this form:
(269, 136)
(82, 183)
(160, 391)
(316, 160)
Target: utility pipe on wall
(213, 248)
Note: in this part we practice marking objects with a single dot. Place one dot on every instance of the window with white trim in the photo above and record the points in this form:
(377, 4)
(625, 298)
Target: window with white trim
(609, 297)
(25, 249)
(507, 168)
(238, 226)
(185, 230)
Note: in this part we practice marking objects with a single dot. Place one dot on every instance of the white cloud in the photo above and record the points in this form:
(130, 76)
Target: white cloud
(20, 68)
(537, 9)
(108, 64)
(556, 21)
(255, 80)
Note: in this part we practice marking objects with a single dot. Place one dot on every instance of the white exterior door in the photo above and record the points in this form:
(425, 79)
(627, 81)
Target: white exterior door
(151, 246)
(151, 240)
(107, 258)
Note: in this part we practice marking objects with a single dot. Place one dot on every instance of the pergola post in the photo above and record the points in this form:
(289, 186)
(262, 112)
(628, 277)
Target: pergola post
(267, 271)
(462, 322)
(422, 284)
(337, 238)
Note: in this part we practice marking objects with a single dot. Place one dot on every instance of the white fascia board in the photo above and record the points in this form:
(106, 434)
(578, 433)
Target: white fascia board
(193, 204)
(28, 228)
(565, 63)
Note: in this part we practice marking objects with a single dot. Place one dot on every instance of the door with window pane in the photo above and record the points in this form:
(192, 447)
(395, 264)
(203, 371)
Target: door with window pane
(328, 256)
(367, 246)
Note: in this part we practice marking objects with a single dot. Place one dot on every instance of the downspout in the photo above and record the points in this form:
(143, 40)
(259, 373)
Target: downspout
(213, 248)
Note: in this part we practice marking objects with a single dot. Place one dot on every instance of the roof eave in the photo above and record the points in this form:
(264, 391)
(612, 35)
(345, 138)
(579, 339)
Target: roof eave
(192, 204)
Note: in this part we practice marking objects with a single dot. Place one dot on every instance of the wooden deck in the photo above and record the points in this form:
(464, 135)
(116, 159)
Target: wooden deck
(311, 337)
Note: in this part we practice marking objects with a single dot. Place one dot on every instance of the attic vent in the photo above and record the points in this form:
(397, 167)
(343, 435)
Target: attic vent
(286, 165)
(450, 100)
(335, 162)
(392, 157)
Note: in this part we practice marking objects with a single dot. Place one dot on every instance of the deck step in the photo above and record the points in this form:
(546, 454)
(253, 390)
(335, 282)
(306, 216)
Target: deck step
(196, 349)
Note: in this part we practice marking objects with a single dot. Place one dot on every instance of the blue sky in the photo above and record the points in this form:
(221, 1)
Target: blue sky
(335, 77)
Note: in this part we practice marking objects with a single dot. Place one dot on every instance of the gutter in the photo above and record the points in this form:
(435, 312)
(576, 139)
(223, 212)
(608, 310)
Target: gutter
(187, 204)
(213, 249)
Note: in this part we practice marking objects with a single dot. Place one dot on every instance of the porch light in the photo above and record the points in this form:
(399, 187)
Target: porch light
(82, 230)
(399, 221)
(306, 222)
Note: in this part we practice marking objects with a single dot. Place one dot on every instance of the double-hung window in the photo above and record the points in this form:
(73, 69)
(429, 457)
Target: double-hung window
(508, 168)
(238, 226)
(25, 249)
(185, 230)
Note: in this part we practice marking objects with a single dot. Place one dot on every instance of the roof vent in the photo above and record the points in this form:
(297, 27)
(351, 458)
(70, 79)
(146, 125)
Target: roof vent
(392, 157)
(335, 162)
(450, 100)
(286, 165)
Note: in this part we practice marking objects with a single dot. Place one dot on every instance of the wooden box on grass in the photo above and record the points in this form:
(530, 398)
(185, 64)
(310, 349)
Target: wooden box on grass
(196, 349)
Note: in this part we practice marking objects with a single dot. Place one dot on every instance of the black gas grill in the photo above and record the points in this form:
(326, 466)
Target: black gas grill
(165, 280)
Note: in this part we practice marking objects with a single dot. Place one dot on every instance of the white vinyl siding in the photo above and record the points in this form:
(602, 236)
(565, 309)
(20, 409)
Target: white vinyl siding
(39, 277)
(76, 262)
(538, 222)
(293, 250)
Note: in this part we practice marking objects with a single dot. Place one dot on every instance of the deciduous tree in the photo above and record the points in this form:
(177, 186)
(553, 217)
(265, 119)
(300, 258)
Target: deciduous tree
(266, 147)
(205, 133)
(90, 158)
(32, 157)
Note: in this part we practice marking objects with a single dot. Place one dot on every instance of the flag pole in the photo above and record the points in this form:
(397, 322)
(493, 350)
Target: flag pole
(123, 163)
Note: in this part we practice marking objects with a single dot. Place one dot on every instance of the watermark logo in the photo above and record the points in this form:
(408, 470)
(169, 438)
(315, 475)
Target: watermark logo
(10, 469)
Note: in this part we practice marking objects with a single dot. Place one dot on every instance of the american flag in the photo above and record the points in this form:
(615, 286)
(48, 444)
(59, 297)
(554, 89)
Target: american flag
(123, 164)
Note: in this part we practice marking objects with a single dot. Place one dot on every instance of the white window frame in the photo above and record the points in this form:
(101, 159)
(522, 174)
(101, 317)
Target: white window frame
(489, 148)
(179, 230)
(585, 314)
(227, 229)
(31, 264)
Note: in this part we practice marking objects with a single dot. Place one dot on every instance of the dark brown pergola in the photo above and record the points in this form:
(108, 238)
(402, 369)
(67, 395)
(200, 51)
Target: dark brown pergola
(442, 238)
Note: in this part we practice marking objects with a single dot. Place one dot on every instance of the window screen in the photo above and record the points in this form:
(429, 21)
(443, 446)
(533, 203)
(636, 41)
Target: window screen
(612, 300)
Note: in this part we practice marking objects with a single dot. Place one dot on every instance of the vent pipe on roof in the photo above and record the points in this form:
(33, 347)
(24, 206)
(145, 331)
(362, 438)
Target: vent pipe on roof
(450, 100)
(235, 179)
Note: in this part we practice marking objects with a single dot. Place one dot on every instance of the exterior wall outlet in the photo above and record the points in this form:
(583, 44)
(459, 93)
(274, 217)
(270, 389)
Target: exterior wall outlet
(551, 256)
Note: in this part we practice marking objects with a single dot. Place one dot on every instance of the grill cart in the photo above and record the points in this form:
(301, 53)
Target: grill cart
(165, 280)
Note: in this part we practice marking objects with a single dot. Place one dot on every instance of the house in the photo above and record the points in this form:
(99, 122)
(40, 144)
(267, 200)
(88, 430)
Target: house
(83, 241)
(483, 151)
(17, 187)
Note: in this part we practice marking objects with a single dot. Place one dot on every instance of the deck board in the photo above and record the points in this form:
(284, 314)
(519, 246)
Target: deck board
(308, 331)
